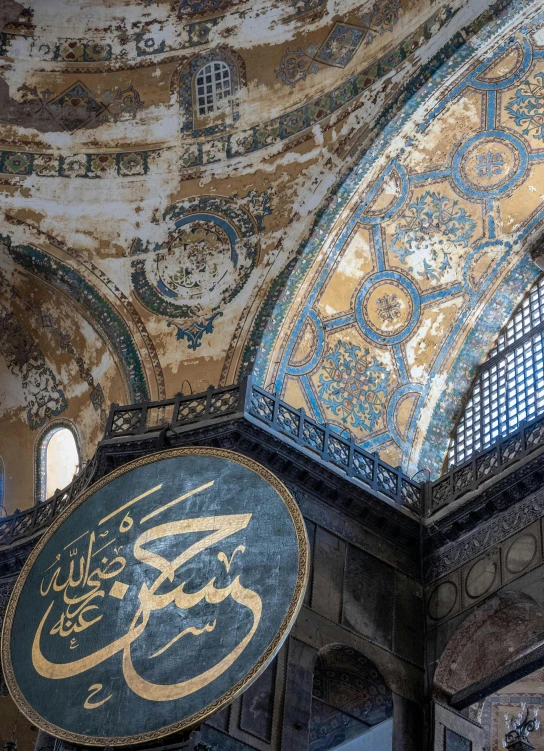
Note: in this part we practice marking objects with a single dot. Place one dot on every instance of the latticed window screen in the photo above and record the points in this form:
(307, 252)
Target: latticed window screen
(509, 386)
(213, 87)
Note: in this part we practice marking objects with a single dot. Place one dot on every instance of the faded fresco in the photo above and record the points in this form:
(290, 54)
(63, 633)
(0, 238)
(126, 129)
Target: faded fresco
(147, 237)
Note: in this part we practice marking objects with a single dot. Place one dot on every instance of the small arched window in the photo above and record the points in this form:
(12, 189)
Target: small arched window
(213, 87)
(58, 460)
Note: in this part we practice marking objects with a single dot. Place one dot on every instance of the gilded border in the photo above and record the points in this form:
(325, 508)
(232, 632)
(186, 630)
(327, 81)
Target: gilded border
(274, 646)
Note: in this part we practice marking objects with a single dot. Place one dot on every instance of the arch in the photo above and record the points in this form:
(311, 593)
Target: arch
(102, 315)
(469, 276)
(471, 658)
(71, 457)
(349, 698)
(209, 123)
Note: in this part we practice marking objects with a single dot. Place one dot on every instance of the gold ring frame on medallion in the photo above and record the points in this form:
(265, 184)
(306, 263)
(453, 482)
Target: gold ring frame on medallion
(271, 651)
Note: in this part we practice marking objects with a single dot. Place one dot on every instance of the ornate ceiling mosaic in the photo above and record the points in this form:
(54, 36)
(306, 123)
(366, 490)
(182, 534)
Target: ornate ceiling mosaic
(414, 268)
(169, 231)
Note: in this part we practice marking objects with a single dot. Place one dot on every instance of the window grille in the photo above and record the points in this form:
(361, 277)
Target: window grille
(213, 87)
(509, 386)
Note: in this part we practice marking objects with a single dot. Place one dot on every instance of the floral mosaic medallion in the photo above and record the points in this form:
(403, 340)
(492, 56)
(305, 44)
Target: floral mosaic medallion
(353, 385)
(489, 165)
(199, 257)
(210, 253)
(430, 234)
(388, 307)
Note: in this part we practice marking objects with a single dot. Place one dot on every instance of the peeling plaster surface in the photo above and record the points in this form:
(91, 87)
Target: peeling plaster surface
(159, 240)
(409, 277)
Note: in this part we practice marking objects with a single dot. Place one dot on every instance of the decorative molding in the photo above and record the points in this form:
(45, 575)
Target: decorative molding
(95, 166)
(511, 507)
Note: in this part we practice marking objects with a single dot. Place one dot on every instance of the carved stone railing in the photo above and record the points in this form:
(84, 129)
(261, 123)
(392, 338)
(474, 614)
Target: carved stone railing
(324, 442)
(146, 417)
(333, 448)
(469, 476)
(26, 523)
(243, 400)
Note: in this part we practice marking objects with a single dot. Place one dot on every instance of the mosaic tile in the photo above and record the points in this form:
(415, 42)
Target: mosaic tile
(191, 155)
(340, 46)
(74, 166)
(102, 165)
(437, 208)
(81, 51)
(199, 32)
(202, 7)
(133, 163)
(46, 165)
(294, 122)
(16, 163)
(147, 44)
(319, 109)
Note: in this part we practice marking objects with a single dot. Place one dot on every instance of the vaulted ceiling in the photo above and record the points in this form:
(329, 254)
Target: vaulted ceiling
(353, 227)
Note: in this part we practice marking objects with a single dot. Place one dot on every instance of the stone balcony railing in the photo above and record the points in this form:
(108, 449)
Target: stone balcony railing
(322, 441)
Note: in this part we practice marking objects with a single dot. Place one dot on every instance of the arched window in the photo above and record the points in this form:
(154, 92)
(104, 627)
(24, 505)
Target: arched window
(352, 705)
(209, 89)
(213, 87)
(509, 385)
(58, 459)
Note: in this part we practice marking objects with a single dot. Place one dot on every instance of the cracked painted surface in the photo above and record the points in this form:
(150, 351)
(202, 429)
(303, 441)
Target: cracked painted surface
(162, 239)
(417, 267)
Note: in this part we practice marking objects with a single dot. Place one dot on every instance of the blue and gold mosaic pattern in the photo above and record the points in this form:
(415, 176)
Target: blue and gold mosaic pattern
(394, 301)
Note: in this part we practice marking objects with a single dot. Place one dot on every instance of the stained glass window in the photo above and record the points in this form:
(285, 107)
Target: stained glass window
(509, 385)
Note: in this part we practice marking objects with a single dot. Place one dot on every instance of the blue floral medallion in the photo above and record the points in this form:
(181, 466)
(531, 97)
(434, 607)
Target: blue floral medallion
(426, 232)
(527, 107)
(353, 384)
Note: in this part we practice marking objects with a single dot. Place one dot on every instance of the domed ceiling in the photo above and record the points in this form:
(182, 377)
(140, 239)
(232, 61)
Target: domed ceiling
(334, 218)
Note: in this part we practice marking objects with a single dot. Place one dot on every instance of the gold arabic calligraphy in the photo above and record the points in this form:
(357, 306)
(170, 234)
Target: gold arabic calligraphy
(83, 591)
